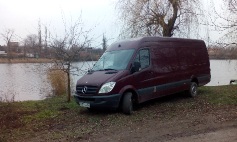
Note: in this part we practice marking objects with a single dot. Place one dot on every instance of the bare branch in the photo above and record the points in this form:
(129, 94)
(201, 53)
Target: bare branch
(7, 37)
(157, 17)
(68, 49)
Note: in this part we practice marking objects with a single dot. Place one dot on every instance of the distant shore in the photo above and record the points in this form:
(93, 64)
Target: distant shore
(46, 60)
(25, 60)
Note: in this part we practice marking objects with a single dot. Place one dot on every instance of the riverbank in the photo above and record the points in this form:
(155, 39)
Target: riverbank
(25, 60)
(164, 119)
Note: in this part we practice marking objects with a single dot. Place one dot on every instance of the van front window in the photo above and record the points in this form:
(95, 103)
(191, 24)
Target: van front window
(114, 60)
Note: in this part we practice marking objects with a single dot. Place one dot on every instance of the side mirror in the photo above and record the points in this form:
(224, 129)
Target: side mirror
(136, 67)
(90, 71)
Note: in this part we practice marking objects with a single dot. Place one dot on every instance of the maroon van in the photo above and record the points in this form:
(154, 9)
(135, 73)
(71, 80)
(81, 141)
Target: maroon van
(137, 70)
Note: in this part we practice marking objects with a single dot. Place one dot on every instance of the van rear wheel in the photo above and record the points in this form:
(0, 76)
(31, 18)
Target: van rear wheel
(193, 89)
(127, 104)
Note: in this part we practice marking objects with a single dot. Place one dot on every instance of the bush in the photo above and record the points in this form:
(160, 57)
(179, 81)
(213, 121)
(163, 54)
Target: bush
(58, 80)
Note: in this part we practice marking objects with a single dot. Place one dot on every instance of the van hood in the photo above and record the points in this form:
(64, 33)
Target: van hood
(97, 78)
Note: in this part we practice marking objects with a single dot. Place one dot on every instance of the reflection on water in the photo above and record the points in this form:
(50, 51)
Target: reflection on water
(23, 82)
(29, 81)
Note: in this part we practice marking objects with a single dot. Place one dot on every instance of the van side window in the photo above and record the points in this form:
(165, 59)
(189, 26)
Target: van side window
(143, 57)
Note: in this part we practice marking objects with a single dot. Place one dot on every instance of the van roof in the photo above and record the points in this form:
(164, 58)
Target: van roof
(138, 42)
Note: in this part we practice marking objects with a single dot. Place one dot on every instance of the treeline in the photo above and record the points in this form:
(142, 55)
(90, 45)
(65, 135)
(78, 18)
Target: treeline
(229, 52)
(14, 50)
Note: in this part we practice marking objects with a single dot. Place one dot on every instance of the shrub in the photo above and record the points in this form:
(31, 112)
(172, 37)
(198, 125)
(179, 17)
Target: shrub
(58, 80)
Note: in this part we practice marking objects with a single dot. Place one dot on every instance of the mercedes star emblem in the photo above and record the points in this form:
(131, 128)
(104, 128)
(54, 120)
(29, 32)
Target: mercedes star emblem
(84, 90)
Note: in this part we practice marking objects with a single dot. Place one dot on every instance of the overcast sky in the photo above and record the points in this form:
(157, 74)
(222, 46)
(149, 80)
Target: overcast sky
(23, 15)
(99, 15)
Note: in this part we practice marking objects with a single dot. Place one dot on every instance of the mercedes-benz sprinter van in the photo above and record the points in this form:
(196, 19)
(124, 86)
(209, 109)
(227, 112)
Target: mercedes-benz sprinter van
(137, 70)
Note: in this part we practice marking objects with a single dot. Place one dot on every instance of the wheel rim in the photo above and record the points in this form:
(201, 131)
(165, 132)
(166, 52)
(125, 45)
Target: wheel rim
(131, 105)
(194, 90)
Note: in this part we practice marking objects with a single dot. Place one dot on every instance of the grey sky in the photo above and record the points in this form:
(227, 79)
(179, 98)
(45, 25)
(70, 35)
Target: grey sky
(99, 15)
(23, 15)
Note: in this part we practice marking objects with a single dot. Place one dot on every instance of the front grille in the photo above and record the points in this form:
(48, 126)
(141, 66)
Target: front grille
(87, 99)
(86, 89)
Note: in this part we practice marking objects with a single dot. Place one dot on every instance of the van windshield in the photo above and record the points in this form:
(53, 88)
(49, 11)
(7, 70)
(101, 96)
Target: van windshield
(114, 60)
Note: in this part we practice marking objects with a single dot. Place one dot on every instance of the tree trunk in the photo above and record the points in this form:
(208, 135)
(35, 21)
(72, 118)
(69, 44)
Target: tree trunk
(167, 32)
(8, 51)
(68, 86)
(24, 51)
(169, 27)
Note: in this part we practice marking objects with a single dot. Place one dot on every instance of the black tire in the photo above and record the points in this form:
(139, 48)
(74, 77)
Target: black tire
(91, 109)
(193, 89)
(127, 104)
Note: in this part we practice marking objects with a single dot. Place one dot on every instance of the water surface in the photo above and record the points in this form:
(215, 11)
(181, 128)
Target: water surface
(28, 81)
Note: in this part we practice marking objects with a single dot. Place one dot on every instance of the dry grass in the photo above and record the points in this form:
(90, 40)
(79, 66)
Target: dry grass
(58, 80)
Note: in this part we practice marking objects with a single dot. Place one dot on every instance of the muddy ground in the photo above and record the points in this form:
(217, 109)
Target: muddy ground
(175, 118)
(219, 125)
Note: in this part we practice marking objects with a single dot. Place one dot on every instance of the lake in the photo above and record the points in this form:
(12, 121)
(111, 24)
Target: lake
(20, 82)
(28, 81)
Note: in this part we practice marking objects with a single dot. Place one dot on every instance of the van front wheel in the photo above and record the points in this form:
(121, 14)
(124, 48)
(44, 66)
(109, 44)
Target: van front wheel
(127, 104)
(193, 89)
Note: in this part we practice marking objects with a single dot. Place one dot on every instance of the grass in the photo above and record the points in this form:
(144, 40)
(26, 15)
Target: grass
(55, 119)
(31, 115)
(222, 95)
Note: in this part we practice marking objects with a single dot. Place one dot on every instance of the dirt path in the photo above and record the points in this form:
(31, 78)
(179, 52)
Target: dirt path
(222, 135)
(172, 132)
(192, 128)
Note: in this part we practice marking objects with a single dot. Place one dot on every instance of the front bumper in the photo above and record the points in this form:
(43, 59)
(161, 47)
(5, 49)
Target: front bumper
(100, 102)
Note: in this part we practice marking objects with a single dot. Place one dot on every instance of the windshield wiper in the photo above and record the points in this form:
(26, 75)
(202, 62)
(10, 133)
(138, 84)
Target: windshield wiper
(108, 69)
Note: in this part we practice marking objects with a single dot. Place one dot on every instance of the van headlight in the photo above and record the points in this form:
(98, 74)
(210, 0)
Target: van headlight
(107, 87)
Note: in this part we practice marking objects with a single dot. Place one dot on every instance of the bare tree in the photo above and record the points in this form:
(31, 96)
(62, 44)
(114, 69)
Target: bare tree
(232, 5)
(157, 17)
(225, 20)
(40, 38)
(7, 37)
(46, 42)
(67, 49)
(31, 44)
(232, 28)
(31, 40)
(232, 19)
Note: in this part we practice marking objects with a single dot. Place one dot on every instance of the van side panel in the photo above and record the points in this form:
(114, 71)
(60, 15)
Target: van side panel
(194, 61)
(198, 62)
(177, 63)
